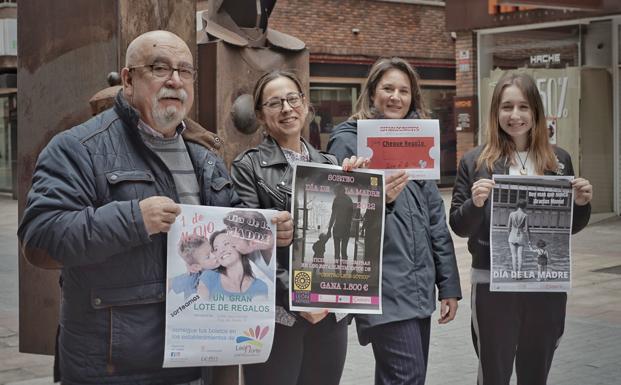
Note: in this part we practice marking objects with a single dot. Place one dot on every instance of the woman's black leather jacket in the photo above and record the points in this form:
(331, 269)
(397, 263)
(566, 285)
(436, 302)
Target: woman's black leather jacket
(262, 178)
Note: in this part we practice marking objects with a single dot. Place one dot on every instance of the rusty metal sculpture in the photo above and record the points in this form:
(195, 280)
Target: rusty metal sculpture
(61, 59)
(237, 48)
(244, 23)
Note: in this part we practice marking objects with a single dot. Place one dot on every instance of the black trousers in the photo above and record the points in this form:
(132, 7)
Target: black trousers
(401, 351)
(340, 247)
(521, 327)
(303, 354)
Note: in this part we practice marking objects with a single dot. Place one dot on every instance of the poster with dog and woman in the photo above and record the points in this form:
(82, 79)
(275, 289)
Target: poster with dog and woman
(336, 257)
(220, 301)
(530, 233)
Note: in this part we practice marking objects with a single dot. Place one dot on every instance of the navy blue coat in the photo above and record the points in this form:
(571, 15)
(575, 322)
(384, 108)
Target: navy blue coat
(418, 252)
(83, 212)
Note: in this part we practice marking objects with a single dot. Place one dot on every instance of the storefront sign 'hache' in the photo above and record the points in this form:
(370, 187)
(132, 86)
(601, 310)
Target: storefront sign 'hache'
(553, 58)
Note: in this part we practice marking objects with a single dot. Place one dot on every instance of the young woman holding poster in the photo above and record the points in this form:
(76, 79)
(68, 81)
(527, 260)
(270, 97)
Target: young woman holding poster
(309, 348)
(506, 326)
(418, 251)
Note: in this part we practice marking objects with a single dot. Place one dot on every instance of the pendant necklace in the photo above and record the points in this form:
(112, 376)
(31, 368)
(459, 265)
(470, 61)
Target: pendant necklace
(523, 169)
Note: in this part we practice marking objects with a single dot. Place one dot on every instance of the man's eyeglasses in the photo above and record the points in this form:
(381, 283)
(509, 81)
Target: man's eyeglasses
(294, 99)
(165, 71)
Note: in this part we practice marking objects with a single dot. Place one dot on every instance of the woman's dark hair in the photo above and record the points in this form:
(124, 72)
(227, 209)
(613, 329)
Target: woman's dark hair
(257, 93)
(244, 259)
(365, 108)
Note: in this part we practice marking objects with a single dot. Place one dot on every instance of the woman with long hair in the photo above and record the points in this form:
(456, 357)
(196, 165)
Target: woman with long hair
(519, 235)
(506, 326)
(233, 275)
(309, 347)
(418, 250)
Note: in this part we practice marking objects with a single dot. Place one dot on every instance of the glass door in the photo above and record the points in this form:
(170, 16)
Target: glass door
(333, 104)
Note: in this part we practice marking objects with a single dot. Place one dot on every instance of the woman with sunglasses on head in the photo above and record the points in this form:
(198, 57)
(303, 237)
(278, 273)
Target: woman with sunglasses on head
(418, 252)
(309, 348)
(523, 327)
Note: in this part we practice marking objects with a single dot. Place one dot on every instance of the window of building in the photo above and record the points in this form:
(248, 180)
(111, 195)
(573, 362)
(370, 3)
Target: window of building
(439, 101)
(8, 141)
(333, 104)
(557, 47)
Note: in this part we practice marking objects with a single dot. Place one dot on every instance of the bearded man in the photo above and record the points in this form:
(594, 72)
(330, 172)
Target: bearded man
(103, 196)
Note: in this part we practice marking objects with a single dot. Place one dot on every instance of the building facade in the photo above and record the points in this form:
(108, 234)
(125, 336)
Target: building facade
(345, 37)
(572, 49)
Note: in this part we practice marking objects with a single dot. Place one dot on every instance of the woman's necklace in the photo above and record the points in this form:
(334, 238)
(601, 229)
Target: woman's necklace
(523, 169)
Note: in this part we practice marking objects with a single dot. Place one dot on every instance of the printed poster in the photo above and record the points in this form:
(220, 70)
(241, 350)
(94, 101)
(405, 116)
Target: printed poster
(220, 301)
(530, 231)
(401, 144)
(336, 258)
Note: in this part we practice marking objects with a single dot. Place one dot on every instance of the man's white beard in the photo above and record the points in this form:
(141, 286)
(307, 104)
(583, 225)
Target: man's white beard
(167, 118)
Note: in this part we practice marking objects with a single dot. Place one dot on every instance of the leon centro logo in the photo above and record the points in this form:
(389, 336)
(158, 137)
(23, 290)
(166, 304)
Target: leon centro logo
(251, 342)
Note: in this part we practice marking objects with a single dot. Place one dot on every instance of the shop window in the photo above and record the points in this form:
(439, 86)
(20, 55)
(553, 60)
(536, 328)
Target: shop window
(504, 196)
(557, 47)
(7, 142)
(619, 45)
(513, 196)
(333, 104)
(439, 102)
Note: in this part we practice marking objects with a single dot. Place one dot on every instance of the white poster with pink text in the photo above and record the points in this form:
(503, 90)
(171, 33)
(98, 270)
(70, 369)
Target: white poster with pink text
(412, 145)
(220, 301)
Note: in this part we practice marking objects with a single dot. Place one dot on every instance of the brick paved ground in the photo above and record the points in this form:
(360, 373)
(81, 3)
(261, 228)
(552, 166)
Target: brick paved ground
(590, 353)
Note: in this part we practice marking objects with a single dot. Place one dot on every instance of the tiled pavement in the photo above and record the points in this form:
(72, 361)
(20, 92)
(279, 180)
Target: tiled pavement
(14, 366)
(589, 354)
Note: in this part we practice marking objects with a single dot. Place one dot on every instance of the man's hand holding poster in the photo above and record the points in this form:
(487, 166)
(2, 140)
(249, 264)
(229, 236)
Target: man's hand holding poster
(401, 144)
(220, 287)
(336, 256)
(530, 232)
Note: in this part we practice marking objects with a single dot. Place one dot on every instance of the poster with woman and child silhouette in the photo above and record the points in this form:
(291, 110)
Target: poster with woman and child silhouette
(531, 233)
(220, 287)
(336, 256)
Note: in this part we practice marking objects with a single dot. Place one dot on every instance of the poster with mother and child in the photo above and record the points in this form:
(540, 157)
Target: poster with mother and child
(220, 301)
(530, 231)
(336, 257)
